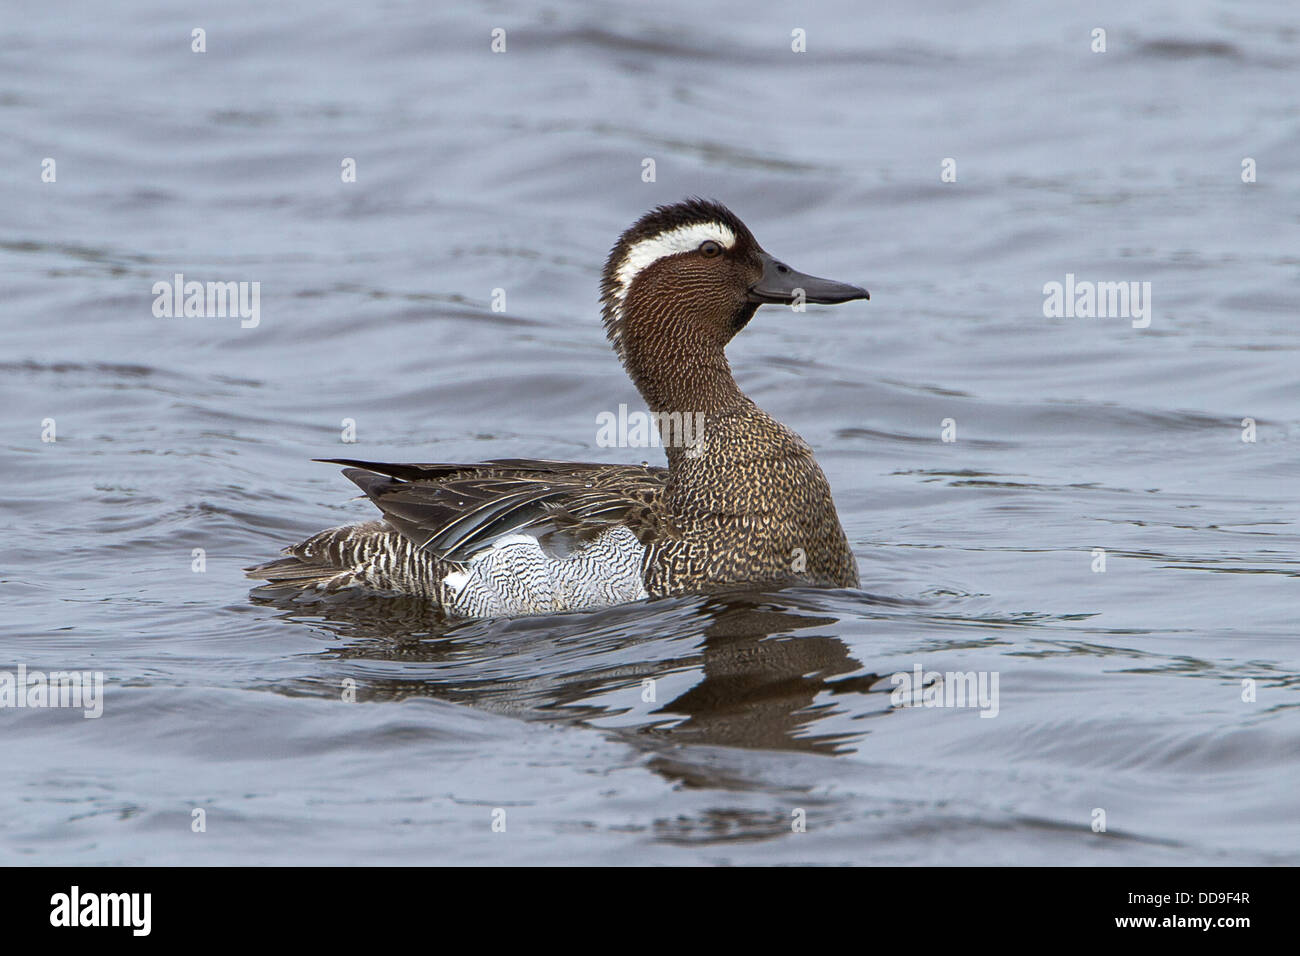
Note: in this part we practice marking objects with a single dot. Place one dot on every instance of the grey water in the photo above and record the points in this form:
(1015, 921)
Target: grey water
(1097, 513)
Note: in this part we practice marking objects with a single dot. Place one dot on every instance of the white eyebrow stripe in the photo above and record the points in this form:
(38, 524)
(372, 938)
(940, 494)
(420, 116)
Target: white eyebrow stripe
(681, 239)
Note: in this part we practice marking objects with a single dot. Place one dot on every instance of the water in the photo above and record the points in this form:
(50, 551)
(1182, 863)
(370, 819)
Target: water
(1118, 691)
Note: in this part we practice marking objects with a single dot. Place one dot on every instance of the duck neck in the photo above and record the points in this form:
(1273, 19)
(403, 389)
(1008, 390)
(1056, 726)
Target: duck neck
(683, 373)
(685, 380)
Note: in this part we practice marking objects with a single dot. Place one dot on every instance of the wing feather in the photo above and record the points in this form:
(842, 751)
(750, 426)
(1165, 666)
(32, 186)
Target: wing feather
(454, 510)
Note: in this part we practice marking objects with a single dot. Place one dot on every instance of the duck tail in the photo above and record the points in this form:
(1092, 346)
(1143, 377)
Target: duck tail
(332, 560)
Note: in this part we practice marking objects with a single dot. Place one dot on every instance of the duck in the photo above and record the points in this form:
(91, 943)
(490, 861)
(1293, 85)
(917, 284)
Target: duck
(740, 505)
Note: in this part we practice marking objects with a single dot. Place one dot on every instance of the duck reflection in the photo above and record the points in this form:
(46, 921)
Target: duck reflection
(761, 676)
(757, 665)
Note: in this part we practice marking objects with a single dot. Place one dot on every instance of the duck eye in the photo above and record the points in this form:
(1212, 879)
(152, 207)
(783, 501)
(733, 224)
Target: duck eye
(709, 248)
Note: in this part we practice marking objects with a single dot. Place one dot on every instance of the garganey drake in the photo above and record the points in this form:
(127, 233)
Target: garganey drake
(742, 503)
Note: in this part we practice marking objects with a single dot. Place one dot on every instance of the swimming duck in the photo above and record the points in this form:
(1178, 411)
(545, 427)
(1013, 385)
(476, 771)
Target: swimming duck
(741, 504)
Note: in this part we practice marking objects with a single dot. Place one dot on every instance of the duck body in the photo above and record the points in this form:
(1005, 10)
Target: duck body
(753, 509)
(742, 502)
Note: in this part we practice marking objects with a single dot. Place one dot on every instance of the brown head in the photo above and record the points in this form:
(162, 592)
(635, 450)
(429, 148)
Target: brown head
(678, 285)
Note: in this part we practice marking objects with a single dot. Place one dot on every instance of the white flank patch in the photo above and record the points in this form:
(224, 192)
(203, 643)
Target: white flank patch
(515, 576)
(506, 541)
(669, 243)
(457, 580)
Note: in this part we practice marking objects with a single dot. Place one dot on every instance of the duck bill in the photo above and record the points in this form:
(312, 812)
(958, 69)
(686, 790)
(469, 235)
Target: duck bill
(784, 285)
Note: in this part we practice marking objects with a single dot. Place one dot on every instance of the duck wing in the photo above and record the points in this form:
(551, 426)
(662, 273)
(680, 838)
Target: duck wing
(455, 510)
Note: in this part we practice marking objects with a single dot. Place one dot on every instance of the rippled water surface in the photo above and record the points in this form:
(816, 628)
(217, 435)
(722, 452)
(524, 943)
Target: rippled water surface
(1119, 691)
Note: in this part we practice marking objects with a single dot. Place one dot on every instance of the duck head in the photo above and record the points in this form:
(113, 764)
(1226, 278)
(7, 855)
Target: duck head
(680, 283)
